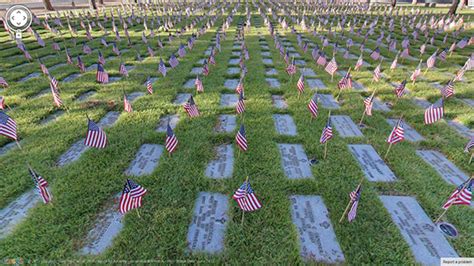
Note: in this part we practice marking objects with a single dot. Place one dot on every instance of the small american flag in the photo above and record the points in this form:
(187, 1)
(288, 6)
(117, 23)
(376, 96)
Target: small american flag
(377, 73)
(368, 103)
(53, 82)
(181, 51)
(149, 85)
(198, 84)
(115, 49)
(461, 196)
(355, 197)
(127, 106)
(151, 53)
(241, 139)
(41, 185)
(375, 55)
(394, 63)
(205, 68)
(56, 97)
(434, 112)
(3, 82)
(443, 54)
(131, 197)
(95, 136)
(313, 106)
(321, 59)
(416, 73)
(56, 46)
(291, 69)
(448, 90)
(191, 108)
(101, 75)
(173, 61)
(462, 43)
(43, 67)
(162, 68)
(246, 198)
(327, 133)
(123, 70)
(430, 62)
(460, 74)
(397, 134)
(212, 60)
(346, 81)
(104, 42)
(81, 65)
(300, 84)
(69, 58)
(405, 53)
(101, 58)
(86, 49)
(7, 126)
(331, 67)
(400, 89)
(171, 141)
(240, 107)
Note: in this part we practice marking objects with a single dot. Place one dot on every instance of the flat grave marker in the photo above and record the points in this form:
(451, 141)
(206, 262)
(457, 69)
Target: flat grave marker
(372, 165)
(229, 100)
(233, 70)
(461, 129)
(231, 84)
(52, 117)
(234, 61)
(279, 102)
(163, 124)
(271, 72)
(145, 161)
(410, 134)
(189, 84)
(207, 229)
(16, 211)
(226, 123)
(378, 105)
(284, 125)
(318, 242)
(134, 95)
(316, 84)
(300, 62)
(426, 242)
(85, 96)
(273, 82)
(223, 165)
(345, 126)
(445, 168)
(307, 72)
(30, 76)
(294, 161)
(8, 147)
(71, 77)
(267, 61)
(327, 101)
(181, 98)
(469, 102)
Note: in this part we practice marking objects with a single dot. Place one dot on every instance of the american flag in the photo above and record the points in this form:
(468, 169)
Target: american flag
(434, 112)
(162, 68)
(81, 65)
(3, 82)
(86, 49)
(56, 97)
(400, 89)
(377, 73)
(448, 90)
(443, 54)
(2, 103)
(359, 63)
(7, 126)
(397, 134)
(101, 58)
(41, 185)
(151, 53)
(375, 55)
(149, 86)
(460, 74)
(462, 43)
(246, 198)
(394, 63)
(127, 106)
(416, 73)
(291, 69)
(321, 59)
(300, 84)
(104, 42)
(405, 53)
(131, 197)
(212, 60)
(422, 48)
(181, 51)
(313, 106)
(331, 67)
(430, 62)
(240, 107)
(368, 103)
(69, 58)
(123, 70)
(327, 132)
(346, 81)
(171, 141)
(355, 197)
(115, 49)
(469, 145)
(53, 82)
(198, 84)
(43, 67)
(205, 68)
(191, 108)
(101, 75)
(461, 196)
(241, 139)
(173, 61)
(95, 136)
(56, 46)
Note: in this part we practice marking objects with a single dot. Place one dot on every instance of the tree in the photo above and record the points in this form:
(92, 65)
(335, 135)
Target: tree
(92, 4)
(453, 8)
(48, 5)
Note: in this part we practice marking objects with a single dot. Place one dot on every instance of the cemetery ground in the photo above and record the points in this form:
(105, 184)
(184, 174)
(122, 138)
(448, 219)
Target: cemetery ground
(85, 188)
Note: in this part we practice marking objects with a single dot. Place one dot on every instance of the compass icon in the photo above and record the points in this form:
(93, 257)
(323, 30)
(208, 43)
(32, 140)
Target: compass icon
(19, 18)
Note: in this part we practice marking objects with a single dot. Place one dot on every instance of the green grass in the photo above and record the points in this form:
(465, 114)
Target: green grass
(84, 188)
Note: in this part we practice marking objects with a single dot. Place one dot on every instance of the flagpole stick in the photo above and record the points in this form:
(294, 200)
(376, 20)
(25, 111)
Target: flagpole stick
(470, 160)
(446, 210)
(362, 118)
(349, 204)
(18, 144)
(138, 212)
(243, 212)
(388, 150)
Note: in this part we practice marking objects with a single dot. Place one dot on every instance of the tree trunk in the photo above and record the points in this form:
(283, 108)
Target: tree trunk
(92, 4)
(453, 8)
(48, 5)
(393, 3)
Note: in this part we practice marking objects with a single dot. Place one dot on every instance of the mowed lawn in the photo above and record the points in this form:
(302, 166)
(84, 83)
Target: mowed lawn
(86, 187)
